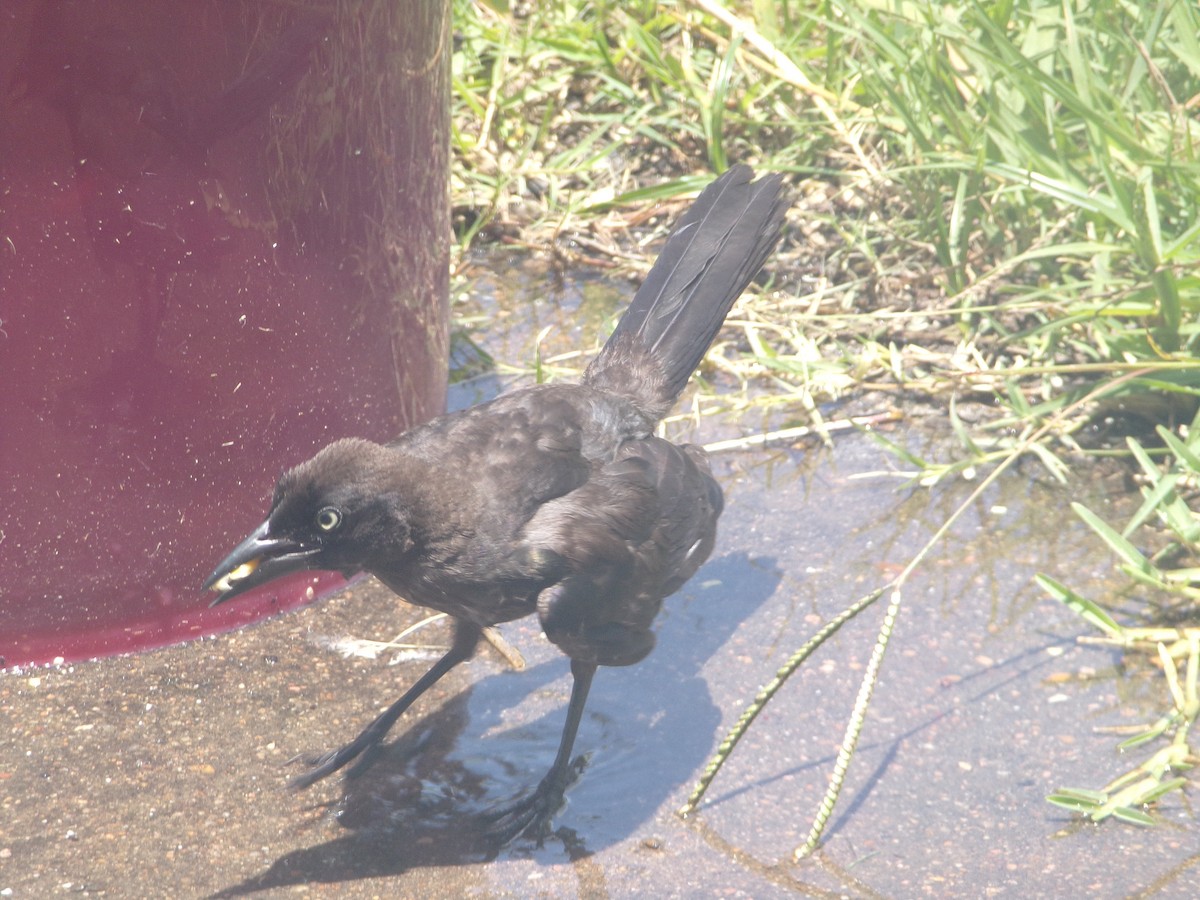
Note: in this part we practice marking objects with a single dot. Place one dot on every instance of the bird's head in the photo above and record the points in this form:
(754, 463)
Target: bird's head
(338, 511)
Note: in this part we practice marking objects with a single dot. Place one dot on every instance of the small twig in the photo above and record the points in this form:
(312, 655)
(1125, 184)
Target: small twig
(364, 647)
(371, 649)
(801, 431)
(510, 653)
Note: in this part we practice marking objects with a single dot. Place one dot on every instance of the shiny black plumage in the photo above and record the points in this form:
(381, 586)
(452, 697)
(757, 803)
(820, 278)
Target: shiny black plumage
(556, 499)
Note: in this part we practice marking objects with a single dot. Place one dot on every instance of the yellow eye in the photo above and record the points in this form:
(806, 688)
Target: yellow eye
(329, 518)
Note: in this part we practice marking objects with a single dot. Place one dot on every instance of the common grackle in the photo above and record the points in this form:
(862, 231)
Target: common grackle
(556, 499)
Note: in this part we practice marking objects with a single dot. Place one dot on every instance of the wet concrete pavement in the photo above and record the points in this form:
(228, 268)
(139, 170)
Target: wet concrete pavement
(165, 773)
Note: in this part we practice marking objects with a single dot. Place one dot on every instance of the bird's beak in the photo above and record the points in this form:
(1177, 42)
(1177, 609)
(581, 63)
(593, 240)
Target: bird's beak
(256, 560)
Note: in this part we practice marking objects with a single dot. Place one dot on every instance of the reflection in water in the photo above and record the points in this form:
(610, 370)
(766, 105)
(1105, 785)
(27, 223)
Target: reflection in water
(423, 800)
(422, 795)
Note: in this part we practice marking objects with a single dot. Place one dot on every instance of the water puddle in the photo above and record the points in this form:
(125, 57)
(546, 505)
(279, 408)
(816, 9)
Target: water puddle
(977, 717)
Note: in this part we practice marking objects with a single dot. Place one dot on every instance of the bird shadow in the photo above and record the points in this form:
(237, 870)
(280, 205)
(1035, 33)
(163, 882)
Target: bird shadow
(647, 729)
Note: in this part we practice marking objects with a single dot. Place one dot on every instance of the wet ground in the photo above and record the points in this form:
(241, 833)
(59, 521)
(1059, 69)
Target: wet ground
(165, 773)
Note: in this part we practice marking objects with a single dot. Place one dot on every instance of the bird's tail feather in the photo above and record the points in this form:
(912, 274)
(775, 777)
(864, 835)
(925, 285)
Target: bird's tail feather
(717, 247)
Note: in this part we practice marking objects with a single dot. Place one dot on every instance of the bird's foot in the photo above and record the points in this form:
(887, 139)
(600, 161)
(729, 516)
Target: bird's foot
(359, 751)
(531, 814)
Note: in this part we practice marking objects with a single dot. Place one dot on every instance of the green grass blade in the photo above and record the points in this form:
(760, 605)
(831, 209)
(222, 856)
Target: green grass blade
(1089, 611)
(1119, 545)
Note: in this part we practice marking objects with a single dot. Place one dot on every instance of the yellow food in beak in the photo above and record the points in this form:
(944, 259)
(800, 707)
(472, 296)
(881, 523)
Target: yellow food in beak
(242, 571)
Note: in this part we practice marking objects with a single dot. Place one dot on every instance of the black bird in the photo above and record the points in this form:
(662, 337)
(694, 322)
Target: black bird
(556, 498)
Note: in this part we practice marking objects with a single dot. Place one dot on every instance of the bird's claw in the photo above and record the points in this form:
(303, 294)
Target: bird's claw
(319, 767)
(530, 815)
(357, 751)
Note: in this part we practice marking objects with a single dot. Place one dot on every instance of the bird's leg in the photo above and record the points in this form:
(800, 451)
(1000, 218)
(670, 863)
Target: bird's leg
(535, 810)
(466, 637)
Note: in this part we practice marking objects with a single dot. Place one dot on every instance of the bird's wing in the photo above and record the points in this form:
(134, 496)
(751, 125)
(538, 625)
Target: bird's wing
(512, 454)
(628, 537)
